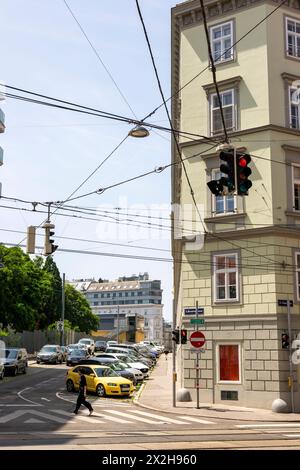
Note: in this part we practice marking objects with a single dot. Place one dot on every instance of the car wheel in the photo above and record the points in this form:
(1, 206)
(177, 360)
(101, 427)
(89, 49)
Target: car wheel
(38, 361)
(100, 390)
(70, 386)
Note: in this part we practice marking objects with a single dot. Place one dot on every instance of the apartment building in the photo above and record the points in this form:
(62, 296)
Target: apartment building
(250, 258)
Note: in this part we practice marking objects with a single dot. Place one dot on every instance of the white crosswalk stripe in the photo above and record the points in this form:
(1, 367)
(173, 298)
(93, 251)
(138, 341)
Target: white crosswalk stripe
(135, 418)
(163, 418)
(196, 420)
(79, 417)
(268, 425)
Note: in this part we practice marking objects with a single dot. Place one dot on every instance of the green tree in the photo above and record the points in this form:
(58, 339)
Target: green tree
(24, 289)
(53, 306)
(78, 311)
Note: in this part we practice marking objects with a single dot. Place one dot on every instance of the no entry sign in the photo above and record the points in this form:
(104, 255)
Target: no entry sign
(197, 339)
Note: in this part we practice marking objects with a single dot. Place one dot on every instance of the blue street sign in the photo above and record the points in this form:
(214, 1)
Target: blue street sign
(284, 303)
(192, 311)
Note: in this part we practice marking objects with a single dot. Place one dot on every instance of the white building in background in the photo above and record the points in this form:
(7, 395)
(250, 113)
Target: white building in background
(115, 301)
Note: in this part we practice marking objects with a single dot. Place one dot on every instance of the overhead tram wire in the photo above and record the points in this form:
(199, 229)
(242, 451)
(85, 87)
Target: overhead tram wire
(208, 264)
(95, 112)
(98, 57)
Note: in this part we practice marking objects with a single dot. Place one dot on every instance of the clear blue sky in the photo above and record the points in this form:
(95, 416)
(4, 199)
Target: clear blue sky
(49, 152)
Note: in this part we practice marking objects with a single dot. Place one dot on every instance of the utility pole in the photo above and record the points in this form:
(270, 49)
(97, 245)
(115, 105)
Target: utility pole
(174, 357)
(291, 379)
(62, 310)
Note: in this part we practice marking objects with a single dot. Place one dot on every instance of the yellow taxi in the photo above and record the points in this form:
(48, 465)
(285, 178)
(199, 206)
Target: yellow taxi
(99, 379)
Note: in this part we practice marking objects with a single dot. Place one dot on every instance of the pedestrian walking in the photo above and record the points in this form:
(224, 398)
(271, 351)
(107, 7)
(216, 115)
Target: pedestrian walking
(166, 351)
(81, 400)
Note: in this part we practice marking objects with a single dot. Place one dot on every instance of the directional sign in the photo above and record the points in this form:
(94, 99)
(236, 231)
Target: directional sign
(192, 311)
(197, 321)
(197, 339)
(284, 303)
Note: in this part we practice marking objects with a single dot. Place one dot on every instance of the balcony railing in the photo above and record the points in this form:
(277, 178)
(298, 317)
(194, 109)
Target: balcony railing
(2, 120)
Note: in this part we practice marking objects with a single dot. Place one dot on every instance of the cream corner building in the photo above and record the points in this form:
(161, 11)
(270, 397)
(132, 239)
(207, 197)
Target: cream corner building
(251, 253)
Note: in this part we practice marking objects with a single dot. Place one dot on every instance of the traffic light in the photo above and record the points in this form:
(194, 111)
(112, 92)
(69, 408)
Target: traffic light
(227, 168)
(175, 336)
(243, 171)
(183, 336)
(285, 341)
(217, 187)
(30, 246)
(49, 247)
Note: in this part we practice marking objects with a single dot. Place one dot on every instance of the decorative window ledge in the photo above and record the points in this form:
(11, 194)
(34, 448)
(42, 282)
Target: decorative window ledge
(225, 217)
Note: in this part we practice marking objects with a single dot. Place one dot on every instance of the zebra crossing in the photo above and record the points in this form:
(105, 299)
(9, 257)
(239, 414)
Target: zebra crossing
(125, 416)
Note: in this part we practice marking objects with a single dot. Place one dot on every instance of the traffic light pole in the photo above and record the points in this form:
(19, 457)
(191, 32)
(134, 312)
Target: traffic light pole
(290, 356)
(174, 375)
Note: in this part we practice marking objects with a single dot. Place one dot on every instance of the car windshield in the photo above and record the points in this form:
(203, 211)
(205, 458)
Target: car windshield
(48, 349)
(79, 352)
(105, 373)
(9, 353)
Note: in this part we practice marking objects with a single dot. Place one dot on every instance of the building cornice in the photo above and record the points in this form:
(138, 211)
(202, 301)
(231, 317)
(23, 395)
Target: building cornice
(291, 148)
(241, 133)
(253, 232)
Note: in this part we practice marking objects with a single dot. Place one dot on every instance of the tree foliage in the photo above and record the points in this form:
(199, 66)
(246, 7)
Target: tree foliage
(31, 294)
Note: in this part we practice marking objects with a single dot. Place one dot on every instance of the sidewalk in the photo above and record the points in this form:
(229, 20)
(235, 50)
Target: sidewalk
(156, 394)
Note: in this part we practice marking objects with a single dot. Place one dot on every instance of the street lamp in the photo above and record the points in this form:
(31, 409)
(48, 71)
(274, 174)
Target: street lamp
(139, 131)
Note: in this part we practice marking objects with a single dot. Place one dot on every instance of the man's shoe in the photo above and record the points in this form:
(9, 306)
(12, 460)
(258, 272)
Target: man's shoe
(91, 412)
(75, 412)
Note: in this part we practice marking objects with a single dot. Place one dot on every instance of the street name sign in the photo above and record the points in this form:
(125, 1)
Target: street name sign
(284, 303)
(197, 339)
(192, 311)
(197, 321)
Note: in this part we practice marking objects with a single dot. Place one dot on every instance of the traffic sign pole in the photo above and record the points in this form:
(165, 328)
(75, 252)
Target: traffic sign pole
(197, 362)
(290, 355)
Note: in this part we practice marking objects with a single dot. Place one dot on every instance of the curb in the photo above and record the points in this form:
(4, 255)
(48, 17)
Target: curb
(176, 411)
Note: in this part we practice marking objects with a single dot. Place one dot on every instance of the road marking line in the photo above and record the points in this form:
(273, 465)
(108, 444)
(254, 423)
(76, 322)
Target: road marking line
(291, 435)
(136, 418)
(160, 417)
(20, 406)
(82, 418)
(277, 425)
(26, 399)
(34, 421)
(196, 420)
(46, 399)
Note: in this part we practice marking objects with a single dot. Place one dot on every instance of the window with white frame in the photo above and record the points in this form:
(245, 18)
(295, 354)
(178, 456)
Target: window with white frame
(229, 111)
(297, 273)
(222, 204)
(229, 364)
(293, 37)
(221, 38)
(294, 107)
(225, 282)
(296, 187)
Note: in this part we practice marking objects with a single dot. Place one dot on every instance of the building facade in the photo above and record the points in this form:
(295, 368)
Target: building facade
(117, 303)
(250, 258)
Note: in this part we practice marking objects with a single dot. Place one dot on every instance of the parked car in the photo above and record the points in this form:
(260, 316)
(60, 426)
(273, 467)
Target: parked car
(14, 360)
(76, 355)
(100, 379)
(131, 363)
(90, 343)
(100, 345)
(114, 365)
(50, 353)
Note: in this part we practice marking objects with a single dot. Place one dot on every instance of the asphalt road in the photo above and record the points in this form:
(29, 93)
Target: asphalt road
(36, 413)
